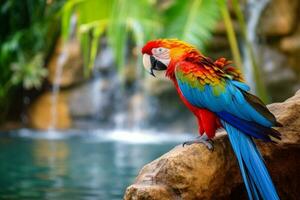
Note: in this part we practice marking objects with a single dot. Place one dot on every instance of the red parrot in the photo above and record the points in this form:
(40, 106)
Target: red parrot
(217, 95)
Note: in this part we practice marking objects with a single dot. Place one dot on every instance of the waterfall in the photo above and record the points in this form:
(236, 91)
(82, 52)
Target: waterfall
(254, 9)
(63, 56)
(130, 107)
(123, 96)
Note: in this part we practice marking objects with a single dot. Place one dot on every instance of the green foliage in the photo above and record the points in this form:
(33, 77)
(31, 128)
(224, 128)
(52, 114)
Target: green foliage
(126, 22)
(138, 20)
(30, 74)
(191, 21)
(26, 37)
(260, 86)
(230, 33)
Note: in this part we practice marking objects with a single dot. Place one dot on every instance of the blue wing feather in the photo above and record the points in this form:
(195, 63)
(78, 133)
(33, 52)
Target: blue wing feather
(230, 100)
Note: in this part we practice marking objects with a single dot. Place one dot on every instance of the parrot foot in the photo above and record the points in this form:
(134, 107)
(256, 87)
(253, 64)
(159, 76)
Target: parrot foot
(203, 140)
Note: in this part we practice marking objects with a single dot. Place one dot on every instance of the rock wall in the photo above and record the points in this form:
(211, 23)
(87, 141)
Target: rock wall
(279, 36)
(278, 50)
(193, 172)
(40, 112)
(278, 55)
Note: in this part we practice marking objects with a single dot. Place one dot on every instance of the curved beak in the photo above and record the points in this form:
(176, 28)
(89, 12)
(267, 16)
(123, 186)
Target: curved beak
(151, 63)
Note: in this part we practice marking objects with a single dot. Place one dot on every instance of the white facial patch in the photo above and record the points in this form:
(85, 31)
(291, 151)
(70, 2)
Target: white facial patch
(146, 62)
(162, 54)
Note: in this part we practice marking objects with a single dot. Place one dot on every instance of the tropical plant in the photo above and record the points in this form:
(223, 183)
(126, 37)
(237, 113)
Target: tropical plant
(28, 29)
(137, 21)
(260, 87)
(191, 21)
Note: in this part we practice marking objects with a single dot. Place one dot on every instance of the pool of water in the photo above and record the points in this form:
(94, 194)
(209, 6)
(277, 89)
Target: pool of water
(76, 164)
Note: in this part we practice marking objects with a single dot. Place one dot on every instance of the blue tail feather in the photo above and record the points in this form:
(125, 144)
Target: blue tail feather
(257, 180)
(250, 128)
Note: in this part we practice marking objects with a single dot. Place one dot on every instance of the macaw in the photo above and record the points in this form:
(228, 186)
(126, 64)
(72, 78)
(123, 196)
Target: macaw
(215, 92)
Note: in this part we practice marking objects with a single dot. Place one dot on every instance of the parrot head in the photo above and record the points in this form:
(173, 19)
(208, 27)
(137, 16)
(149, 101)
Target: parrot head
(162, 54)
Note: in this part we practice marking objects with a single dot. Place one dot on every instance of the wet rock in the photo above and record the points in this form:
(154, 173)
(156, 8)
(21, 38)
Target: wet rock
(279, 75)
(290, 45)
(89, 99)
(10, 125)
(193, 172)
(40, 113)
(279, 18)
(66, 56)
(95, 101)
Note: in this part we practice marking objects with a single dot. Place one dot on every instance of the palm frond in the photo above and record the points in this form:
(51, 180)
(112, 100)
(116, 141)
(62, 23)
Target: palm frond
(138, 19)
(191, 21)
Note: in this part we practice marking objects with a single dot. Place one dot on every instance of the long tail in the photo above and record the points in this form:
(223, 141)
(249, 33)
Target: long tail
(258, 182)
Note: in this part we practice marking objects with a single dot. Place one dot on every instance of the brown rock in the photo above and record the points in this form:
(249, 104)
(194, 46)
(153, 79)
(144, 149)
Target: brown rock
(40, 113)
(291, 44)
(193, 172)
(279, 18)
(218, 42)
(68, 57)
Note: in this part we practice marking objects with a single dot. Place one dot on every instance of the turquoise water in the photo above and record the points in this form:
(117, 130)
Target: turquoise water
(77, 164)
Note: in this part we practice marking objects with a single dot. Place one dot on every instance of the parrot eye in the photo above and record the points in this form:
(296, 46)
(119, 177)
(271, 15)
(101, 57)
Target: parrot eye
(159, 51)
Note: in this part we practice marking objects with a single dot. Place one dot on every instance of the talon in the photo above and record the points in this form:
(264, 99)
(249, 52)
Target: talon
(204, 140)
(188, 143)
(210, 146)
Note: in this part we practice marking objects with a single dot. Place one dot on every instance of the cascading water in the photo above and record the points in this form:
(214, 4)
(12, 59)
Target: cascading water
(62, 58)
(254, 10)
(130, 108)
(124, 98)
(56, 86)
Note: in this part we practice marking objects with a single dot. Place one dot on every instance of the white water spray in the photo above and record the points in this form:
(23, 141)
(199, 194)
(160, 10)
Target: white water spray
(56, 86)
(254, 8)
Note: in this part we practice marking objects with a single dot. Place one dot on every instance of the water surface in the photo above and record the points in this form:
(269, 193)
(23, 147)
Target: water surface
(77, 164)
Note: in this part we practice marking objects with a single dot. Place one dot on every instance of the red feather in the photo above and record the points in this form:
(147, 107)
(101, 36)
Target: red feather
(208, 122)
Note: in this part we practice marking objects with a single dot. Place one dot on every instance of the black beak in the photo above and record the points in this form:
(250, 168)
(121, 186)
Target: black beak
(156, 65)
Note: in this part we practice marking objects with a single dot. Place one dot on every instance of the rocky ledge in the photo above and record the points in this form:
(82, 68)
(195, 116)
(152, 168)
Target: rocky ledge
(193, 172)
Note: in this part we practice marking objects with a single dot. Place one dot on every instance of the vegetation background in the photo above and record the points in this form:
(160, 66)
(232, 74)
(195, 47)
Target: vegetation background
(30, 31)
(79, 116)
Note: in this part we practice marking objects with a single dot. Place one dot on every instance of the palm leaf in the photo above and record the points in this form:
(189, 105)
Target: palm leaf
(131, 20)
(192, 21)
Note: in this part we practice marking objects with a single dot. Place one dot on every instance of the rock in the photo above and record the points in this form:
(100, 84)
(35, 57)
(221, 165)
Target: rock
(40, 113)
(279, 75)
(68, 57)
(96, 102)
(90, 98)
(219, 42)
(291, 44)
(10, 125)
(279, 18)
(193, 172)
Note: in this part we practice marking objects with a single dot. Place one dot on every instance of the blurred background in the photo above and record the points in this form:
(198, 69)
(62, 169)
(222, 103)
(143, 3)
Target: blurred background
(79, 116)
